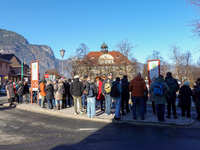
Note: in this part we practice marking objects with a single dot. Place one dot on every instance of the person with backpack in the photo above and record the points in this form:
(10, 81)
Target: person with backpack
(49, 94)
(59, 91)
(20, 91)
(159, 88)
(116, 94)
(42, 92)
(105, 90)
(125, 94)
(76, 89)
(152, 98)
(138, 87)
(185, 100)
(91, 92)
(171, 95)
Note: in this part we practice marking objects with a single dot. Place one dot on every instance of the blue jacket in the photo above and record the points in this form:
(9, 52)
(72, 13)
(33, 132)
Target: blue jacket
(119, 88)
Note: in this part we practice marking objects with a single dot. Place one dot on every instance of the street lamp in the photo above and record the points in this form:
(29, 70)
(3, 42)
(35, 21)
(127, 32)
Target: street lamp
(62, 52)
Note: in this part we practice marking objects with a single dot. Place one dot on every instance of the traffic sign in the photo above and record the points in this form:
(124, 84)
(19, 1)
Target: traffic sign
(46, 76)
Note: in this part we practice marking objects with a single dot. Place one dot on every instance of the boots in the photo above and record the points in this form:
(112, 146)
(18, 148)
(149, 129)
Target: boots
(57, 107)
(60, 106)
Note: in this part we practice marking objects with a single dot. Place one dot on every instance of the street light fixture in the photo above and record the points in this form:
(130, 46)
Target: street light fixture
(62, 52)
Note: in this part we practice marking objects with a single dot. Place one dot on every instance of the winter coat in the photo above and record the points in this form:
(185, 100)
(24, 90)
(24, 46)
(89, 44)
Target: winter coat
(65, 86)
(197, 91)
(49, 91)
(26, 89)
(54, 87)
(42, 87)
(68, 87)
(137, 87)
(103, 86)
(93, 86)
(185, 93)
(125, 89)
(160, 99)
(76, 88)
(15, 89)
(84, 81)
(116, 83)
(11, 89)
(20, 89)
(100, 95)
(58, 95)
(7, 92)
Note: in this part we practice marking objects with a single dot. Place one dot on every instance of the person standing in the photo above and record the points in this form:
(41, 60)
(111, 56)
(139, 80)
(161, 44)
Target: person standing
(69, 93)
(100, 96)
(64, 101)
(138, 87)
(105, 90)
(43, 92)
(76, 89)
(171, 95)
(20, 91)
(197, 98)
(185, 100)
(91, 97)
(49, 94)
(115, 93)
(7, 93)
(159, 87)
(152, 99)
(125, 94)
(84, 98)
(59, 90)
(11, 91)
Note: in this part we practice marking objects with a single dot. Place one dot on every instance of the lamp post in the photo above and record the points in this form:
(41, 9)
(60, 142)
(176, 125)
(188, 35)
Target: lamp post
(62, 52)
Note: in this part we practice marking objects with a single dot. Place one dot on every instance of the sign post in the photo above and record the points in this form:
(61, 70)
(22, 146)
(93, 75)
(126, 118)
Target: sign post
(153, 69)
(22, 71)
(34, 78)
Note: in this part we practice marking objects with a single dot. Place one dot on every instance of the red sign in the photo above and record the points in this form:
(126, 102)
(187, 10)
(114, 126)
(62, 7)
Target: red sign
(46, 75)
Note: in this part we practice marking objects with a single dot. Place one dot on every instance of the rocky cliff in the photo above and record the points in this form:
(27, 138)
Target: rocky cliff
(13, 43)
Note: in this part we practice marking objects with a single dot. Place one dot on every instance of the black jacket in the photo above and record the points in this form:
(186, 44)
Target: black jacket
(20, 89)
(185, 93)
(68, 88)
(11, 89)
(125, 89)
(177, 85)
(76, 88)
(50, 91)
(26, 89)
(65, 86)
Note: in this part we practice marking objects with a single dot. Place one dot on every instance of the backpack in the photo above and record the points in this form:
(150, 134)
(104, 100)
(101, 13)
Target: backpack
(91, 91)
(158, 89)
(39, 89)
(114, 91)
(172, 85)
(61, 90)
(107, 87)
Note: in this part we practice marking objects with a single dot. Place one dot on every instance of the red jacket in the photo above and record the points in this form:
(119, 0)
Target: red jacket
(137, 87)
(99, 95)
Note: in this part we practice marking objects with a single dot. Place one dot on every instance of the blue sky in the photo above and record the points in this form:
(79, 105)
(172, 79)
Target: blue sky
(149, 24)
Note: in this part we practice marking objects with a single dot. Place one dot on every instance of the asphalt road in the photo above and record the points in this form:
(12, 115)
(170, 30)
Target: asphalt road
(27, 130)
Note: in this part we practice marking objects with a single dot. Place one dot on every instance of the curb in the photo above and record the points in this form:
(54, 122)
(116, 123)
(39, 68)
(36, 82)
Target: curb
(60, 114)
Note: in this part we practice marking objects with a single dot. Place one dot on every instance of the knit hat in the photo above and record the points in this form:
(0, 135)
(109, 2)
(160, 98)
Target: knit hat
(187, 83)
(139, 75)
(76, 76)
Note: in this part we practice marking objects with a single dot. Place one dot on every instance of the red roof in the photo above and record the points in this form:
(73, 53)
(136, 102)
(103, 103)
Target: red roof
(118, 57)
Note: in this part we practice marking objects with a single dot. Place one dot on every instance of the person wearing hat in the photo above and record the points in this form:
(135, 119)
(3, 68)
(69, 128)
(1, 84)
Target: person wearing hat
(69, 93)
(84, 98)
(105, 90)
(160, 100)
(185, 100)
(138, 87)
(76, 89)
(43, 92)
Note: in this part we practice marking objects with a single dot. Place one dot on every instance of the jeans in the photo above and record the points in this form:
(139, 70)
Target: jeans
(69, 97)
(91, 110)
(21, 98)
(75, 103)
(58, 102)
(42, 101)
(64, 102)
(139, 100)
(160, 111)
(53, 103)
(124, 101)
(50, 103)
(108, 101)
(117, 109)
(84, 100)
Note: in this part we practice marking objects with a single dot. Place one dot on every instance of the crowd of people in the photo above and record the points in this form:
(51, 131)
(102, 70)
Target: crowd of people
(83, 94)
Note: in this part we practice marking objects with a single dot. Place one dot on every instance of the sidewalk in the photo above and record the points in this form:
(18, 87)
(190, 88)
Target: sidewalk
(150, 119)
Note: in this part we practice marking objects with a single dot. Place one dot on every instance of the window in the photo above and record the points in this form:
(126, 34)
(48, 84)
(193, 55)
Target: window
(6, 66)
(0, 64)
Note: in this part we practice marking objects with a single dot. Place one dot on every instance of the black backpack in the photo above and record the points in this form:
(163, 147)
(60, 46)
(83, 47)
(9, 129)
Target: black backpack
(172, 85)
(62, 90)
(89, 90)
(114, 91)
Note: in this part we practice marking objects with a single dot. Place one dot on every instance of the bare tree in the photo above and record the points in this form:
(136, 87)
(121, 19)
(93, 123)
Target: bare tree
(125, 48)
(155, 55)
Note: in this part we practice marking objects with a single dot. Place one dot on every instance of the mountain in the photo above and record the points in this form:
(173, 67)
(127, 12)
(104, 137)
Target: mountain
(13, 43)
